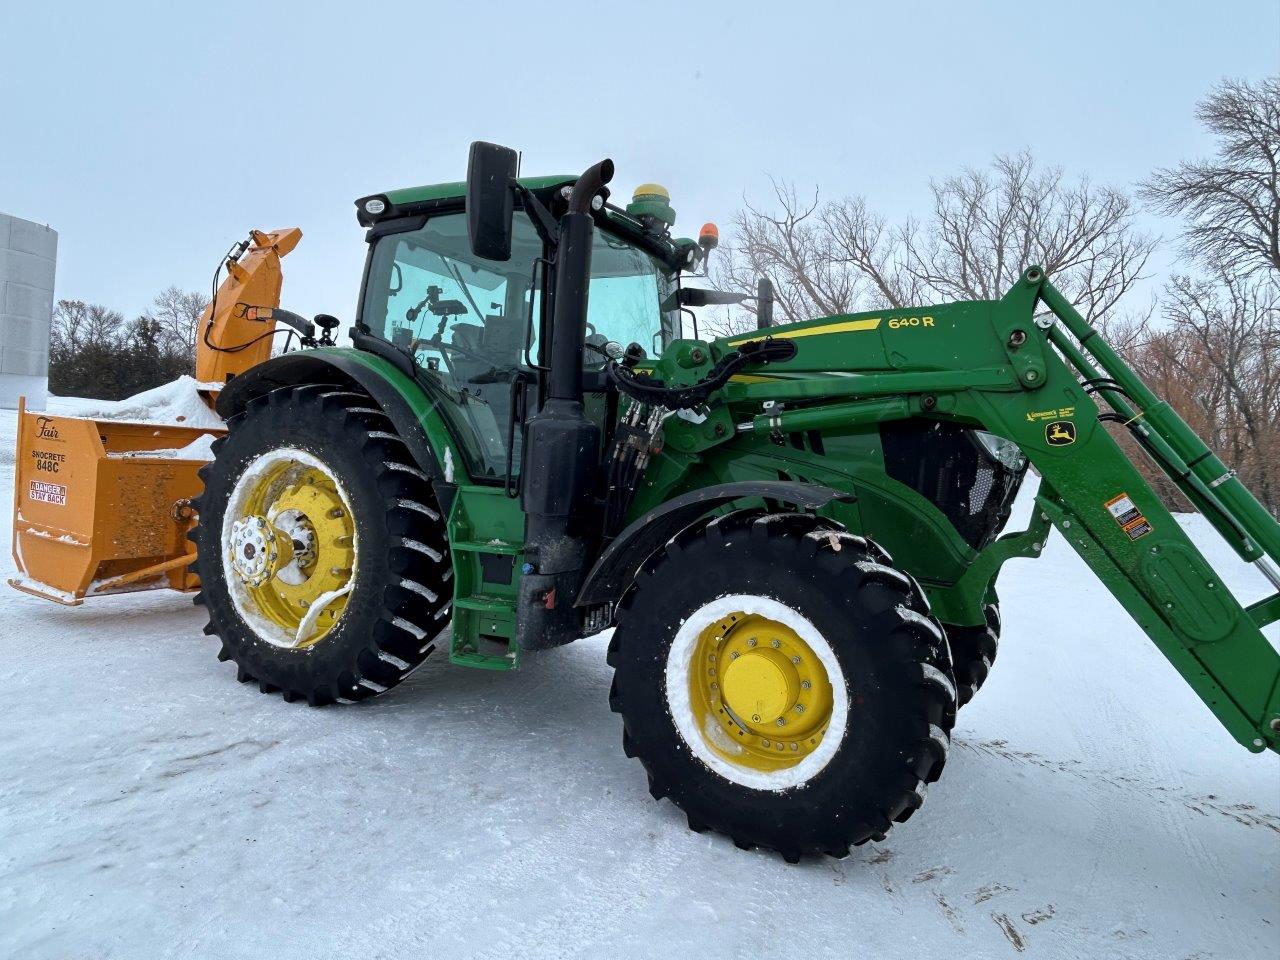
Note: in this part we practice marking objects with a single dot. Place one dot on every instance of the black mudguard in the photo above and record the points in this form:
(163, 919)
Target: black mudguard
(292, 369)
(617, 566)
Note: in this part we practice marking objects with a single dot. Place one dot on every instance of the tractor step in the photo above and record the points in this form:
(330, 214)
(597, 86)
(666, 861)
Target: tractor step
(500, 547)
(484, 633)
(497, 606)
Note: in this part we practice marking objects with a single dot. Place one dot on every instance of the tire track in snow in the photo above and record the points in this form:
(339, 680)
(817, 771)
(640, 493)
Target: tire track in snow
(1245, 814)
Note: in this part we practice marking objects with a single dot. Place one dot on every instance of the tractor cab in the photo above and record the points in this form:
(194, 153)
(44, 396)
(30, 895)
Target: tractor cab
(476, 330)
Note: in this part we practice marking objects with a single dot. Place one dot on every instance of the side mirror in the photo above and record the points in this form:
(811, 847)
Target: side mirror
(491, 171)
(696, 297)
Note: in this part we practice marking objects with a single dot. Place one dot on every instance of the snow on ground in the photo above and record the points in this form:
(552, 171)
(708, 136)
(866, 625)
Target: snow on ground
(150, 806)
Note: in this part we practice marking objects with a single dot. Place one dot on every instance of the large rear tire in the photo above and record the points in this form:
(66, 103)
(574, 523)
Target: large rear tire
(782, 684)
(322, 553)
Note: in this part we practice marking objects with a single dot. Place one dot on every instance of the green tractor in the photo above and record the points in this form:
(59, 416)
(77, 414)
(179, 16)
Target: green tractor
(795, 532)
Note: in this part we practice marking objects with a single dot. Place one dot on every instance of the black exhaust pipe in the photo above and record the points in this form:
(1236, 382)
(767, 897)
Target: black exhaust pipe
(562, 447)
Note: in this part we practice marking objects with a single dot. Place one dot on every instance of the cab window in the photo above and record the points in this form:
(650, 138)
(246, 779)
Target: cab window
(463, 318)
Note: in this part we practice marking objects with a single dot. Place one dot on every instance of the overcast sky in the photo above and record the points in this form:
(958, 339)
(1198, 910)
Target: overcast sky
(152, 136)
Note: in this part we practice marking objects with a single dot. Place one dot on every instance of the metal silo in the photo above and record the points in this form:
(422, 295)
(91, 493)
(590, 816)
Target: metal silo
(28, 253)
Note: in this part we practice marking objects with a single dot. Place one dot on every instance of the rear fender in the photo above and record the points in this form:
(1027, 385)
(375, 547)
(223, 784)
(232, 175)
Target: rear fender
(400, 398)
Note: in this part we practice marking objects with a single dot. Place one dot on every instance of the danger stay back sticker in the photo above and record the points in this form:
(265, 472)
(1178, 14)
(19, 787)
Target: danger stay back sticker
(43, 492)
(1130, 518)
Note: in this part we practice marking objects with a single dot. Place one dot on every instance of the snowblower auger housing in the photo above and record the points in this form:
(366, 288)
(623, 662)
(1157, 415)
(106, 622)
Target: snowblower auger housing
(784, 527)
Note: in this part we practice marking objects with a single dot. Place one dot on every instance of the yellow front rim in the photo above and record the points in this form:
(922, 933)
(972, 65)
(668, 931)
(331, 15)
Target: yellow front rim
(760, 694)
(291, 547)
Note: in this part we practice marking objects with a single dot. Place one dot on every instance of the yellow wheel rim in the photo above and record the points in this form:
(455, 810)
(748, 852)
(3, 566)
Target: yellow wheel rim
(758, 692)
(291, 549)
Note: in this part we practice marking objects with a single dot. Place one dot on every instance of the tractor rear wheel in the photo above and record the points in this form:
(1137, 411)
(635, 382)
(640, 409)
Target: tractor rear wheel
(782, 684)
(322, 553)
(973, 650)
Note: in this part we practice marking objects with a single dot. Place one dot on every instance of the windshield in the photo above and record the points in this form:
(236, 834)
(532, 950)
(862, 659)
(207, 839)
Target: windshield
(468, 321)
(628, 288)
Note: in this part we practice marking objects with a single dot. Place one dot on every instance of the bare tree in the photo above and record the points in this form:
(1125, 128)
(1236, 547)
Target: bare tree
(178, 312)
(1232, 202)
(984, 228)
(1232, 327)
(77, 324)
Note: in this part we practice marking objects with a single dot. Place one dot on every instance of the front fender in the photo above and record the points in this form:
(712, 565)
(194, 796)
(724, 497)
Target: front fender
(413, 413)
(617, 566)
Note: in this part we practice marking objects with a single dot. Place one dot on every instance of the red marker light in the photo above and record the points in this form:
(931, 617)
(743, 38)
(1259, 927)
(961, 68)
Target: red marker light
(709, 236)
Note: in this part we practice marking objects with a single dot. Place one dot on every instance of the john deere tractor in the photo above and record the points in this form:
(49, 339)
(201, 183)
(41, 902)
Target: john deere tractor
(794, 532)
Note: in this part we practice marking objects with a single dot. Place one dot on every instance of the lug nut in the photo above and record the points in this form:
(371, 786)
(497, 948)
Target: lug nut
(776, 644)
(782, 722)
(805, 684)
(751, 642)
(799, 708)
(796, 661)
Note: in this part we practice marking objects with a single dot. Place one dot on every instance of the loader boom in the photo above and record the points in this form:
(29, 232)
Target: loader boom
(1031, 380)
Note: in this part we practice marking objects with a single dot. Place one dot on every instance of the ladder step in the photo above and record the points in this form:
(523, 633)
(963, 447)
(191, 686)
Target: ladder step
(491, 546)
(482, 604)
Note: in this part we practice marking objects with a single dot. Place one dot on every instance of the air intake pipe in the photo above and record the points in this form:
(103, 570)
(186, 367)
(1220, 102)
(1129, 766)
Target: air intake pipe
(562, 447)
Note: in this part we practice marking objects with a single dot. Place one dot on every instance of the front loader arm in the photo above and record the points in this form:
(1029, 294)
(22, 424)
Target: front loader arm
(1032, 379)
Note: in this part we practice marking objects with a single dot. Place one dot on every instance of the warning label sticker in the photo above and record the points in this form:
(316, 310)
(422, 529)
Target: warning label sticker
(1139, 528)
(54, 493)
(1123, 510)
(1128, 516)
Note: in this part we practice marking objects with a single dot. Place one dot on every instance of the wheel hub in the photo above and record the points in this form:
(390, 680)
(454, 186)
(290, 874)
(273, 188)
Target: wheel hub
(760, 692)
(762, 685)
(258, 550)
(291, 546)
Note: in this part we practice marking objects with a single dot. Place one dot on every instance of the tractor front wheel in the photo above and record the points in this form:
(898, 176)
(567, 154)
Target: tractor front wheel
(782, 684)
(973, 650)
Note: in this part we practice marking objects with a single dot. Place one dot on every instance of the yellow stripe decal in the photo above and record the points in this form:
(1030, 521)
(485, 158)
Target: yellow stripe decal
(843, 326)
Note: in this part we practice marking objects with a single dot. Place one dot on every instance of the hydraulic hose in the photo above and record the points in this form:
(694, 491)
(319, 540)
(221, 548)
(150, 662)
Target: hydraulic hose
(647, 389)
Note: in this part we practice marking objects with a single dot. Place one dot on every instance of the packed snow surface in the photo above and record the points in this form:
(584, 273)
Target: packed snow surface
(176, 402)
(150, 806)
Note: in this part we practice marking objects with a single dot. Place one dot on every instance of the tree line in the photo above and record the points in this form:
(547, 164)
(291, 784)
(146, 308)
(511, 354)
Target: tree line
(95, 352)
(1208, 341)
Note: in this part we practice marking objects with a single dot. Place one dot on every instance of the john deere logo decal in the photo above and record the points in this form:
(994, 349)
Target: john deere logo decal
(1060, 433)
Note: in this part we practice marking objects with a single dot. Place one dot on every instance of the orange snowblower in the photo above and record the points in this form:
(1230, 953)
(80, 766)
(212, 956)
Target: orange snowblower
(103, 505)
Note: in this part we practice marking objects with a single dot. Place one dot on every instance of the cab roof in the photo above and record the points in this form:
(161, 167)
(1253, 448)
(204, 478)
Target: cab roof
(457, 189)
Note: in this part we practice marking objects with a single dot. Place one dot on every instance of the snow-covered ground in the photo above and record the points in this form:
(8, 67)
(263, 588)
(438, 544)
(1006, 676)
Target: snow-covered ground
(150, 806)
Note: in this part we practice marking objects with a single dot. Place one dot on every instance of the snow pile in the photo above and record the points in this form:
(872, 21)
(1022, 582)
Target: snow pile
(178, 402)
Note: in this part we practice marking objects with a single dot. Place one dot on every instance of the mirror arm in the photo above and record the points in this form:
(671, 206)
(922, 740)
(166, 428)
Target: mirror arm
(543, 222)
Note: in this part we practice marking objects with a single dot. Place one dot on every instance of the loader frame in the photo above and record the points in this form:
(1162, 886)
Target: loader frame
(1030, 368)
